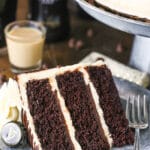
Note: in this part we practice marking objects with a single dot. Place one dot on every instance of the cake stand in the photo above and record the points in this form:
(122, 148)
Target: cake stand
(140, 54)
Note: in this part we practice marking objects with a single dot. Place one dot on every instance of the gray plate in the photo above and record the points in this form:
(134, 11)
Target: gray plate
(113, 20)
(125, 89)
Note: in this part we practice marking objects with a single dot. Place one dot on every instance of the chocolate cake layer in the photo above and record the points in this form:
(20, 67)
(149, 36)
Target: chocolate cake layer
(47, 117)
(79, 101)
(110, 103)
(30, 136)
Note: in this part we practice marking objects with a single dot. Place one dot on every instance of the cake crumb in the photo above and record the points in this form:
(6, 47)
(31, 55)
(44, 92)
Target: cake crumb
(3, 78)
(71, 43)
(79, 45)
(89, 33)
(119, 48)
(44, 66)
(100, 58)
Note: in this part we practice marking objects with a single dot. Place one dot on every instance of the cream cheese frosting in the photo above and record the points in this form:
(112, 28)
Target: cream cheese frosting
(139, 8)
(10, 104)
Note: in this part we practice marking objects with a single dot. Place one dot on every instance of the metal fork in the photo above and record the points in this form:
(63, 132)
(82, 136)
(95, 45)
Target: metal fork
(137, 115)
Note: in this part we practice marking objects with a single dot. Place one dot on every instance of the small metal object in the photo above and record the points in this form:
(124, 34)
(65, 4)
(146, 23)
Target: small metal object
(12, 134)
(137, 114)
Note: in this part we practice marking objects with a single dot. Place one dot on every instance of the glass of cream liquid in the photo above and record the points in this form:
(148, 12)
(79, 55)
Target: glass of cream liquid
(25, 43)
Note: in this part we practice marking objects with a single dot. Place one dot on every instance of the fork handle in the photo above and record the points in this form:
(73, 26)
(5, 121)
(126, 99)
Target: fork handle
(137, 139)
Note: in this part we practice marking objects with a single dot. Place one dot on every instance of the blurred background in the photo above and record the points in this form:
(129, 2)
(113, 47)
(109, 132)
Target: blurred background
(72, 34)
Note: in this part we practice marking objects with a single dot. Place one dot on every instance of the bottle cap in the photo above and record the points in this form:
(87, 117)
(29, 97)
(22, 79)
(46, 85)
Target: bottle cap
(11, 134)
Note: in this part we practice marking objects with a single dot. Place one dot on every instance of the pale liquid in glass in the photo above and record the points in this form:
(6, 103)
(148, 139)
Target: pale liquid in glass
(25, 47)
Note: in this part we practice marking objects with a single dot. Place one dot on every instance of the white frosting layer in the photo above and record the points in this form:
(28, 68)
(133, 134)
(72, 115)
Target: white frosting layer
(139, 8)
(55, 71)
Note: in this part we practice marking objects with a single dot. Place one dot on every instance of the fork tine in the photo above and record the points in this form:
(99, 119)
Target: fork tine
(139, 117)
(127, 109)
(145, 111)
(135, 114)
(133, 110)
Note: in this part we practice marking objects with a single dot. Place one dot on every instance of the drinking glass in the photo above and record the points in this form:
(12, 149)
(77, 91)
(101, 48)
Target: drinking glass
(25, 42)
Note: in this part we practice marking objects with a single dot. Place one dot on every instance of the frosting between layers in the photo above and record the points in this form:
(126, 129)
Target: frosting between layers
(98, 108)
(66, 115)
(139, 8)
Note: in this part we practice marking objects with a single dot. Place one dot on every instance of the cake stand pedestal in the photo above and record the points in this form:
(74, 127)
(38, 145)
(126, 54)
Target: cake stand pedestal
(140, 54)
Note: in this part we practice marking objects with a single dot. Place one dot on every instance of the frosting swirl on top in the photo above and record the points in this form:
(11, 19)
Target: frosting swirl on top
(139, 8)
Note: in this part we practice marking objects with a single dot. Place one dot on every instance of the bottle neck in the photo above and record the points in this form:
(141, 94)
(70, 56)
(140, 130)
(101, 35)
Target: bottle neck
(53, 3)
(44, 8)
(54, 15)
(2, 5)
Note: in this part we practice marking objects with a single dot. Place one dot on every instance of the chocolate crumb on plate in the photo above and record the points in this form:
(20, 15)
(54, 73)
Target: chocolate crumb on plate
(3, 79)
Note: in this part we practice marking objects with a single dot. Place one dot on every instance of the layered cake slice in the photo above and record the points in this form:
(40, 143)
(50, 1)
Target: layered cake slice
(73, 108)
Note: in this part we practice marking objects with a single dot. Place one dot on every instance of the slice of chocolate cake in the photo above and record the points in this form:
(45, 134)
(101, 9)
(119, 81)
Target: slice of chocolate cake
(73, 107)
(109, 101)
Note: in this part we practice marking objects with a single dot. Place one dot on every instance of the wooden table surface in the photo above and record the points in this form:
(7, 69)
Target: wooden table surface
(111, 42)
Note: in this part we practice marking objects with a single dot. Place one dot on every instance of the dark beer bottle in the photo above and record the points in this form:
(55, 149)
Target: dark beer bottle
(54, 14)
(7, 15)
